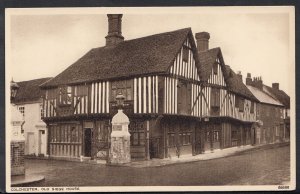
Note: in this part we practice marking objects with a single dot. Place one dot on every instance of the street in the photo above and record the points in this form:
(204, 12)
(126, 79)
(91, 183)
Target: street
(267, 165)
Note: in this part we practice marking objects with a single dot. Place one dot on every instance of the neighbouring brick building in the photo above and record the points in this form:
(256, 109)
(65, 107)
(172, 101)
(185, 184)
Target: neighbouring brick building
(270, 111)
(28, 100)
(281, 96)
(181, 98)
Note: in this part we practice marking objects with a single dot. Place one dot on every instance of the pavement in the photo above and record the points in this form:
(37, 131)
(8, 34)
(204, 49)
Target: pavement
(23, 180)
(208, 155)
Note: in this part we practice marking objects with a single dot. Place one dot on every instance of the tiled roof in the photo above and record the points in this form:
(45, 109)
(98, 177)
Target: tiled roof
(148, 55)
(236, 85)
(207, 59)
(279, 95)
(29, 91)
(263, 96)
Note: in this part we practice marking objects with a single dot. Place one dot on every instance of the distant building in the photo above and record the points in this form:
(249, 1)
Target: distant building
(27, 99)
(271, 111)
(181, 98)
(281, 96)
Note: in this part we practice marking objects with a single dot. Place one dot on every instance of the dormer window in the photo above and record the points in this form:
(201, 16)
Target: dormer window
(65, 95)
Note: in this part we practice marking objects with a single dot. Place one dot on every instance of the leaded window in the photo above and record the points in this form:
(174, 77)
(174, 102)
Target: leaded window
(137, 135)
(124, 87)
(65, 95)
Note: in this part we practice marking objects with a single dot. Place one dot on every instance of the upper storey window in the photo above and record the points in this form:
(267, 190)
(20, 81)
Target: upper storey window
(252, 107)
(239, 103)
(185, 54)
(65, 95)
(215, 98)
(124, 87)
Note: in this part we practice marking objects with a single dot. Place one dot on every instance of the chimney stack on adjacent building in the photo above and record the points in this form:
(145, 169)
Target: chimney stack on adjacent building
(202, 41)
(249, 79)
(114, 29)
(240, 76)
(275, 86)
(257, 82)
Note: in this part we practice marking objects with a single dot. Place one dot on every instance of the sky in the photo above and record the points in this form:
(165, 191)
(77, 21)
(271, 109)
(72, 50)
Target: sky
(255, 41)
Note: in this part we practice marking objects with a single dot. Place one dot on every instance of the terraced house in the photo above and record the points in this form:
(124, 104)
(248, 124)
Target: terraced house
(273, 111)
(180, 98)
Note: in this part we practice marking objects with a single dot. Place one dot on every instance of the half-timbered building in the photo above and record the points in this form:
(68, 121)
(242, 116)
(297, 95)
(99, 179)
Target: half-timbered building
(180, 99)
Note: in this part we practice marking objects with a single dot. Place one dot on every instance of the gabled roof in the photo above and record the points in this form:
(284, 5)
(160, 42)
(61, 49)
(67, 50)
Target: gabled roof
(236, 85)
(280, 95)
(29, 91)
(263, 97)
(143, 56)
(207, 59)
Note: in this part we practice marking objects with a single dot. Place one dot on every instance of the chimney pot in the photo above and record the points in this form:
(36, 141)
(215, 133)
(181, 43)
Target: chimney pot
(249, 75)
(202, 41)
(114, 29)
(275, 86)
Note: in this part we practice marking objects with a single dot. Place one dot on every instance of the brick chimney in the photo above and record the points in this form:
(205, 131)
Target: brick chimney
(249, 79)
(275, 86)
(257, 82)
(202, 41)
(114, 29)
(240, 76)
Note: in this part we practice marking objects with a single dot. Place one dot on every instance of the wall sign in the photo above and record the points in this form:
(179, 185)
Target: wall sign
(117, 127)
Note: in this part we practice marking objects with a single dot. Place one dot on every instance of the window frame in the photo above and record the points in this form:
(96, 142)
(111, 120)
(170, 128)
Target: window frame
(65, 96)
(252, 107)
(215, 98)
(22, 111)
(125, 86)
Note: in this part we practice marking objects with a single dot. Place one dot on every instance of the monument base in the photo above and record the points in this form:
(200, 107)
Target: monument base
(120, 150)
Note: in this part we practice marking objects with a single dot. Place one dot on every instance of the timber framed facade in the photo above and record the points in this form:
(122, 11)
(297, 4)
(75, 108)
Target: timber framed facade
(180, 99)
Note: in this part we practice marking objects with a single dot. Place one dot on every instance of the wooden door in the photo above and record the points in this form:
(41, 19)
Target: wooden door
(31, 143)
(199, 141)
(87, 142)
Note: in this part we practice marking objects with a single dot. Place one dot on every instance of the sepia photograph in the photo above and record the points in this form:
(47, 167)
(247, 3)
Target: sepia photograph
(150, 99)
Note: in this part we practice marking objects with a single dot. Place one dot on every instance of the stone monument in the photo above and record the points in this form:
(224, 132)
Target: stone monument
(119, 152)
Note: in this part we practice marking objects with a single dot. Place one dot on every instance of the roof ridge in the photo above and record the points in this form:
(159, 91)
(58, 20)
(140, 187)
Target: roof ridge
(35, 79)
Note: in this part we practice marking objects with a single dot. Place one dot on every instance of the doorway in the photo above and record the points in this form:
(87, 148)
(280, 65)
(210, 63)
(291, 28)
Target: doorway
(87, 142)
(31, 143)
(42, 144)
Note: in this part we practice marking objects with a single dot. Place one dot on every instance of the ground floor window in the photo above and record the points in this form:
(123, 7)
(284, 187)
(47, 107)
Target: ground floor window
(136, 129)
(216, 136)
